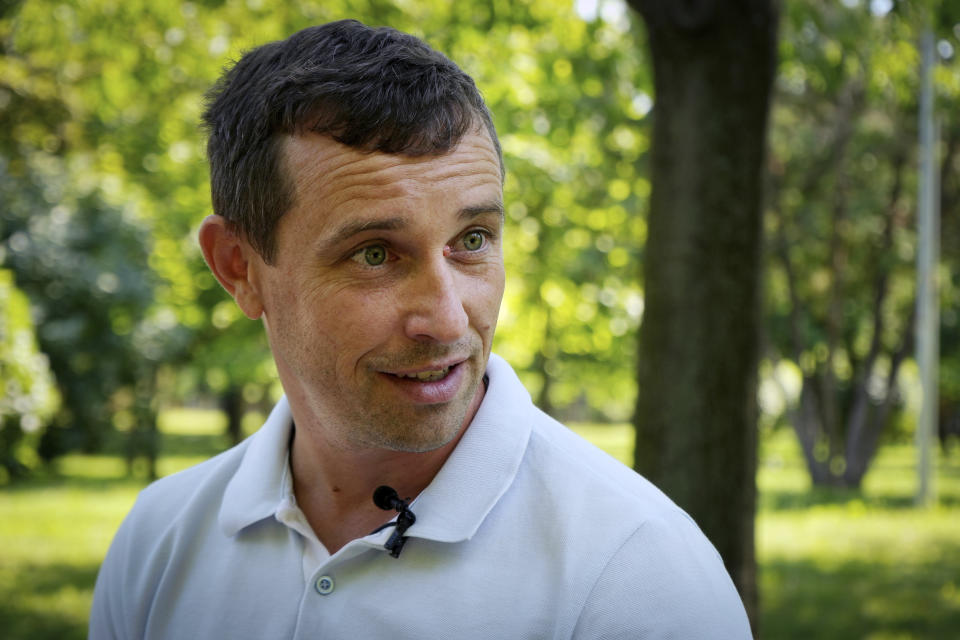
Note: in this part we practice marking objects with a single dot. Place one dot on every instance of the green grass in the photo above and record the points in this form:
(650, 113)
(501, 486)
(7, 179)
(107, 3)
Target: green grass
(833, 564)
(52, 540)
(55, 529)
(857, 564)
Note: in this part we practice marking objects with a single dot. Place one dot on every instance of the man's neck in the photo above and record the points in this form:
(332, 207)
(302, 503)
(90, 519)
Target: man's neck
(334, 487)
(334, 483)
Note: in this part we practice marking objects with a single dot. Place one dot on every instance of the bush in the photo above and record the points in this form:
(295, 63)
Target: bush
(27, 394)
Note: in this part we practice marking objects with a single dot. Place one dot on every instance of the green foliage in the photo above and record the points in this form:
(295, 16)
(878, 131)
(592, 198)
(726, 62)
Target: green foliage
(102, 154)
(89, 297)
(27, 394)
(574, 143)
(570, 96)
(110, 94)
(841, 220)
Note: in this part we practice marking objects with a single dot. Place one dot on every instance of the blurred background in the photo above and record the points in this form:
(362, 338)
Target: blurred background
(122, 360)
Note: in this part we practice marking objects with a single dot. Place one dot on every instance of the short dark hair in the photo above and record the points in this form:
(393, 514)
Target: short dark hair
(374, 89)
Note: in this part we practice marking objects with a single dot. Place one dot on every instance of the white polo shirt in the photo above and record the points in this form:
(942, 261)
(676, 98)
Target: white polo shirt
(527, 531)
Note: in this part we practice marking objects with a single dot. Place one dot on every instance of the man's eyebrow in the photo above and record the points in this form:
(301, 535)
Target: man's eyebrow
(494, 206)
(350, 229)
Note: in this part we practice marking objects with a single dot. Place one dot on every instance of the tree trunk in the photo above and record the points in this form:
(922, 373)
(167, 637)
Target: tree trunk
(143, 441)
(234, 406)
(696, 407)
(862, 442)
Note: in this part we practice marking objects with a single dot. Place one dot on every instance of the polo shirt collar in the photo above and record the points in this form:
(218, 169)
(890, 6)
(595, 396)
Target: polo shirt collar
(257, 486)
(451, 509)
(482, 467)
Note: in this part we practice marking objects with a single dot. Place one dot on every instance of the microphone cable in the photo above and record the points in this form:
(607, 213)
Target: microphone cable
(387, 499)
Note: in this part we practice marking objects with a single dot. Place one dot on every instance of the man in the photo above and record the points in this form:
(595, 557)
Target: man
(356, 179)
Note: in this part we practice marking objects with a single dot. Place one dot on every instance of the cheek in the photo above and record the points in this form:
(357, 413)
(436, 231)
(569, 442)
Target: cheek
(483, 300)
(303, 316)
(352, 320)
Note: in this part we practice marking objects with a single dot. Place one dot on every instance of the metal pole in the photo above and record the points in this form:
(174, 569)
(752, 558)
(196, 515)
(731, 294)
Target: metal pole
(927, 259)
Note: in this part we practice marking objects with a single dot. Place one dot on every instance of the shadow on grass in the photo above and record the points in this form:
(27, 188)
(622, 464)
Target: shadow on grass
(174, 444)
(53, 479)
(856, 599)
(108, 470)
(25, 601)
(193, 445)
(773, 500)
(798, 500)
(116, 443)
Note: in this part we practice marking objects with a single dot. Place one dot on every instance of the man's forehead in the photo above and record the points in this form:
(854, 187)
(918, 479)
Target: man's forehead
(337, 186)
(309, 157)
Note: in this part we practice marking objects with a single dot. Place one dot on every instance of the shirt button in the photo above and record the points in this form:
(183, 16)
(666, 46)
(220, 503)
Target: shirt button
(324, 585)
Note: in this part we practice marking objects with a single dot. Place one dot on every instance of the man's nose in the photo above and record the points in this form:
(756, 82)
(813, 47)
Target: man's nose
(434, 301)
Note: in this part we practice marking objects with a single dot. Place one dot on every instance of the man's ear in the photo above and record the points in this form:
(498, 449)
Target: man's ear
(228, 255)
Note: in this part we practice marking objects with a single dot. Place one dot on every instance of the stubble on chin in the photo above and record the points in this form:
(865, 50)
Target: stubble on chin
(416, 429)
(419, 437)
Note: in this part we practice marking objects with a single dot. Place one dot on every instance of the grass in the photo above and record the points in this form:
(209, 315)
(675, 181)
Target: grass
(55, 529)
(833, 564)
(857, 564)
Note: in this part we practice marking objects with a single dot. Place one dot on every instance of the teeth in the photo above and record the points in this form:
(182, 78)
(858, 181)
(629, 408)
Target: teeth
(426, 376)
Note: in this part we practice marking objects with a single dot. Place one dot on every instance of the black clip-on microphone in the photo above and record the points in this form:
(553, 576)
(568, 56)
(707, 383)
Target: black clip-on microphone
(387, 499)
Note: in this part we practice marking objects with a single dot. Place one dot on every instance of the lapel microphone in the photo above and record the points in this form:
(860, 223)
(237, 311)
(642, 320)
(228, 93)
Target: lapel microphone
(387, 499)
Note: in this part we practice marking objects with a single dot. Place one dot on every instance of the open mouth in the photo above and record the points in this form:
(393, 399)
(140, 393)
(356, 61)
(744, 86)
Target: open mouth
(430, 383)
(426, 376)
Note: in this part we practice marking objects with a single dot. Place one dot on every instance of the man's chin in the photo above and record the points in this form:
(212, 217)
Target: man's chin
(424, 428)
(434, 427)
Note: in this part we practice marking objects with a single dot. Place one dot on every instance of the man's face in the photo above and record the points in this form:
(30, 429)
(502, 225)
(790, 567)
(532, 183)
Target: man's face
(382, 302)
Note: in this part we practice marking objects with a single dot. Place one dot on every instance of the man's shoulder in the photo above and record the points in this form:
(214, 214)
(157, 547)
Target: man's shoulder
(173, 541)
(168, 500)
(234, 486)
(562, 469)
(576, 467)
(631, 539)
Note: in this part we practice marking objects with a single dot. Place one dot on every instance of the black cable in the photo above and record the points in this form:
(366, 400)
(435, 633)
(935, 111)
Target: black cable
(387, 499)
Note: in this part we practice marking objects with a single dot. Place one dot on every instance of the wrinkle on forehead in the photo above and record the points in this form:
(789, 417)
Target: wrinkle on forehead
(315, 161)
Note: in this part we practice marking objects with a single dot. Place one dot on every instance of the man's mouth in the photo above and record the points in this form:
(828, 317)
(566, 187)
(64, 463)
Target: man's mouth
(426, 376)
(429, 383)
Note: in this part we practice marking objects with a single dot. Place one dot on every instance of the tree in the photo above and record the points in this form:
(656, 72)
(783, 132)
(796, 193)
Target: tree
(125, 85)
(696, 409)
(572, 123)
(89, 300)
(841, 274)
(27, 395)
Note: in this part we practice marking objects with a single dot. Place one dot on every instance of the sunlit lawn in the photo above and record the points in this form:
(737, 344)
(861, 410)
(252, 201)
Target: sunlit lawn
(833, 564)
(843, 564)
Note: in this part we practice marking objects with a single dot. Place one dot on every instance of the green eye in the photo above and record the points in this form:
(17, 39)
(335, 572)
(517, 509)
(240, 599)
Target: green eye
(473, 241)
(375, 255)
